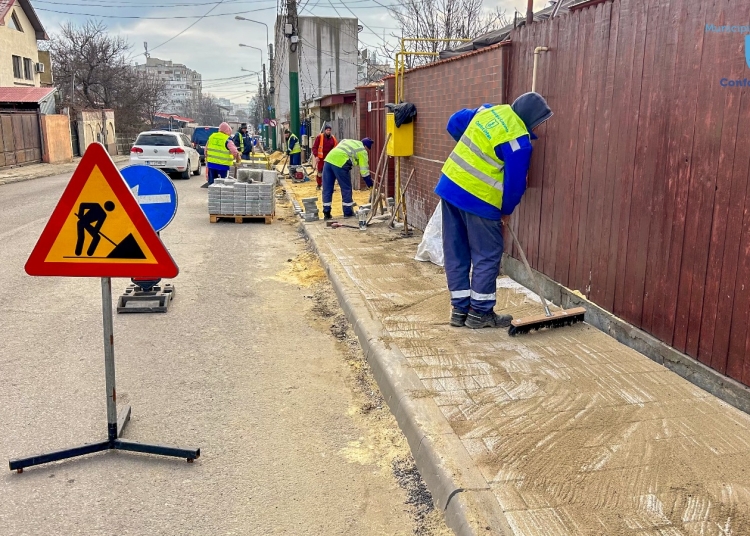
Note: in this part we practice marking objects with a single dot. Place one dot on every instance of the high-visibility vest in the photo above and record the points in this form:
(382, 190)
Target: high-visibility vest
(216, 150)
(297, 148)
(320, 140)
(352, 151)
(473, 164)
(242, 142)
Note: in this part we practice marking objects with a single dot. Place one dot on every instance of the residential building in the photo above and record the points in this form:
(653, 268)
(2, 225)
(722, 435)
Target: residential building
(371, 69)
(328, 58)
(184, 85)
(20, 29)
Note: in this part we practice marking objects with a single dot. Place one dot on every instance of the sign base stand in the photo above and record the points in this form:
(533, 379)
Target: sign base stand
(115, 424)
(140, 298)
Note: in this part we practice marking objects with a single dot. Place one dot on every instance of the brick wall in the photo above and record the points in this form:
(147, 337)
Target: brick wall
(438, 91)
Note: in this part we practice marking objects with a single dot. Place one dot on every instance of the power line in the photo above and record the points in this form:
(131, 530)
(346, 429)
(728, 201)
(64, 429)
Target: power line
(199, 17)
(127, 5)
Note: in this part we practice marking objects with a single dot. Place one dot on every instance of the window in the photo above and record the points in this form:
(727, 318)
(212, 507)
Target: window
(14, 24)
(28, 69)
(17, 67)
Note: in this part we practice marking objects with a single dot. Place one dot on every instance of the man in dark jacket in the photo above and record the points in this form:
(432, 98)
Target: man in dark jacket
(242, 142)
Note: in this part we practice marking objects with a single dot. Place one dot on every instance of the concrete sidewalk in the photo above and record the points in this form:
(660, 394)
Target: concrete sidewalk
(37, 171)
(563, 432)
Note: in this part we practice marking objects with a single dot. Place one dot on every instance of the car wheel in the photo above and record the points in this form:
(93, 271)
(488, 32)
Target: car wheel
(185, 175)
(199, 169)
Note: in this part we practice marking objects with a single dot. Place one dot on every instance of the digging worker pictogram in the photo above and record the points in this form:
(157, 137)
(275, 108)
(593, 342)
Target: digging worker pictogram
(482, 182)
(91, 217)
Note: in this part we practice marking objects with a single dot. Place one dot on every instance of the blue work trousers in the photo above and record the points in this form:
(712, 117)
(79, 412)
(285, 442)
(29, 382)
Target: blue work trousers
(332, 174)
(470, 241)
(295, 159)
(214, 173)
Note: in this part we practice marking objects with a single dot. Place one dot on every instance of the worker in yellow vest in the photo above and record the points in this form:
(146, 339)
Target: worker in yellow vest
(221, 153)
(337, 167)
(482, 182)
(293, 149)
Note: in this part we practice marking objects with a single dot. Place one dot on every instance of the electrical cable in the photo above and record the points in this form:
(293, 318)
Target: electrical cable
(199, 17)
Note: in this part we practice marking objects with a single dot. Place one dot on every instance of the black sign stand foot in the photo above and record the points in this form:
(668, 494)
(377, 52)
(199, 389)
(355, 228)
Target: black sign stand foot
(115, 425)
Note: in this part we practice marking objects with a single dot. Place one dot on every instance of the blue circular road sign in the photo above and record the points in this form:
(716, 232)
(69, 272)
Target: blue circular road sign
(155, 193)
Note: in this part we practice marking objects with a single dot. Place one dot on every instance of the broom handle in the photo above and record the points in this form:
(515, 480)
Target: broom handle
(531, 274)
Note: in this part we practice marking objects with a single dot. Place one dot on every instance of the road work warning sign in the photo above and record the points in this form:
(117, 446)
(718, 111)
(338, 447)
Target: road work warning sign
(98, 229)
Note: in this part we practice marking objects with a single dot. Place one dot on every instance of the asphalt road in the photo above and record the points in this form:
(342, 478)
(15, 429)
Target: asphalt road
(239, 367)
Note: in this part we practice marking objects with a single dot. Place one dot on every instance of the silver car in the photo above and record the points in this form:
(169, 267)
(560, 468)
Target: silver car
(171, 152)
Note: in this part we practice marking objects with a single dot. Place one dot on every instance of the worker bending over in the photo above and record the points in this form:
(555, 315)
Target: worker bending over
(221, 153)
(293, 149)
(482, 182)
(337, 167)
(321, 147)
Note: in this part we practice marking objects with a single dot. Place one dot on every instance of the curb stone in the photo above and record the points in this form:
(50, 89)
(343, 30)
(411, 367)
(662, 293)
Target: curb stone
(457, 486)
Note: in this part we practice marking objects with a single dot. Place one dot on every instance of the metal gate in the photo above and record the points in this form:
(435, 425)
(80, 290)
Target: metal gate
(21, 142)
(74, 138)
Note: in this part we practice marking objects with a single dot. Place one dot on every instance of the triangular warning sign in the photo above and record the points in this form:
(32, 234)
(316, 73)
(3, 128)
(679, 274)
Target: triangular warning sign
(98, 229)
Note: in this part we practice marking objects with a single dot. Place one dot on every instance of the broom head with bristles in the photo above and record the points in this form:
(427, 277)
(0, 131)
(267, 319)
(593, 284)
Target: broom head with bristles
(558, 319)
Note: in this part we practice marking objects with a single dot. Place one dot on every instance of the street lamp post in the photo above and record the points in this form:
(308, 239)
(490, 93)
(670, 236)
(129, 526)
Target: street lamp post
(256, 22)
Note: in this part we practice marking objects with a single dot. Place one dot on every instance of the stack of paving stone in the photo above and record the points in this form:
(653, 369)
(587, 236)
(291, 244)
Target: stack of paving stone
(229, 197)
(311, 208)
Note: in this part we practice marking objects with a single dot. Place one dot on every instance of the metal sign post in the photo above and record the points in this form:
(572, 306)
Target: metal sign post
(114, 427)
(97, 201)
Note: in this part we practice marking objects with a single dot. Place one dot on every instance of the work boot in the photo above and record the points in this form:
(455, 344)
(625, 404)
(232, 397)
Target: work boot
(327, 216)
(204, 185)
(458, 318)
(476, 320)
(318, 187)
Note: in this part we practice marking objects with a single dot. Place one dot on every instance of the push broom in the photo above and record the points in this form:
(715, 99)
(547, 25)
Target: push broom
(558, 319)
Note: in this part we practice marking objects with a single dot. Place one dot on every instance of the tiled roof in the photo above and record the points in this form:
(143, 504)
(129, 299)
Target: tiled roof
(175, 117)
(25, 94)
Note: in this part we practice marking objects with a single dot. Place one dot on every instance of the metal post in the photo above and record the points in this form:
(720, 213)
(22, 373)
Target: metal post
(293, 68)
(109, 358)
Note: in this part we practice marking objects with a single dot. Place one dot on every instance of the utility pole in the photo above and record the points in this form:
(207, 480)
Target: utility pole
(529, 12)
(291, 32)
(265, 108)
(272, 90)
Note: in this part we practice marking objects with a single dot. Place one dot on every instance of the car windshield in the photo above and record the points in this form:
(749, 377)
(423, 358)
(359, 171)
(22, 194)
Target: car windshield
(158, 140)
(201, 134)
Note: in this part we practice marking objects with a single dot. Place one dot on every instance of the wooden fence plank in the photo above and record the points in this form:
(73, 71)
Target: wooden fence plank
(657, 247)
(701, 189)
(730, 287)
(679, 169)
(604, 163)
(701, 336)
(620, 243)
(634, 251)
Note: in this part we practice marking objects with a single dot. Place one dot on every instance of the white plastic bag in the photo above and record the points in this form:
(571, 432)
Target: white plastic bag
(431, 247)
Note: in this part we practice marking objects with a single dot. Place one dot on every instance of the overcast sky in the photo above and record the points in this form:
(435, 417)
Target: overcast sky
(211, 46)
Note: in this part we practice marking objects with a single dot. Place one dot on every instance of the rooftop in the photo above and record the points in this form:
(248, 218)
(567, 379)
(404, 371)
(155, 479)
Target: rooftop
(25, 94)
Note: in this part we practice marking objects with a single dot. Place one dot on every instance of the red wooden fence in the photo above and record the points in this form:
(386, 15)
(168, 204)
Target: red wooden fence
(639, 190)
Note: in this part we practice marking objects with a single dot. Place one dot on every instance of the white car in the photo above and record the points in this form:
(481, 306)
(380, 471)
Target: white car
(171, 152)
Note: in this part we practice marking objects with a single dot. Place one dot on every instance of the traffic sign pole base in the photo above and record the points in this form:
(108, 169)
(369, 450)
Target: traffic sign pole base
(114, 444)
(138, 300)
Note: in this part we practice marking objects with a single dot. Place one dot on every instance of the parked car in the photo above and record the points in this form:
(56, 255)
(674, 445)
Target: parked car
(199, 139)
(172, 152)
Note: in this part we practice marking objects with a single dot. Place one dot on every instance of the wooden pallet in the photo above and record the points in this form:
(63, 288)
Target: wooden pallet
(268, 219)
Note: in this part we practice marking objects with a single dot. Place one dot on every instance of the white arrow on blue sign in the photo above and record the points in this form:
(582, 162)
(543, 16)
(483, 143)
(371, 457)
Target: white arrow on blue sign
(155, 193)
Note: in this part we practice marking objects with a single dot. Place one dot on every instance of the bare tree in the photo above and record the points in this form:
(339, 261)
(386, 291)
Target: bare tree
(441, 19)
(93, 71)
(208, 111)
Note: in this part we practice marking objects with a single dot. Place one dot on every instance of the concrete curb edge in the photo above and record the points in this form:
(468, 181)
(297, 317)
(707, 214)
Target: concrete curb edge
(396, 382)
